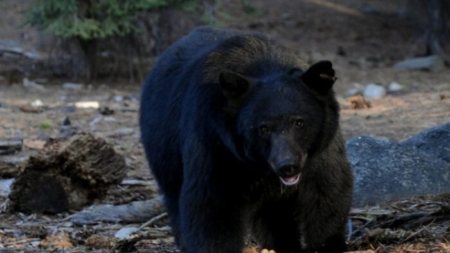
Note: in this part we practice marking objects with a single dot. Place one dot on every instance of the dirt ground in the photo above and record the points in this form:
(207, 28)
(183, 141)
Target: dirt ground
(362, 38)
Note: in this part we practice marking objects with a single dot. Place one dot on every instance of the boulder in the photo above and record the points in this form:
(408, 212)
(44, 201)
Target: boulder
(386, 170)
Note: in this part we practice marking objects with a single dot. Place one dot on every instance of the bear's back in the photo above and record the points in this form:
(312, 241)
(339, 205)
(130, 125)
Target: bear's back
(192, 46)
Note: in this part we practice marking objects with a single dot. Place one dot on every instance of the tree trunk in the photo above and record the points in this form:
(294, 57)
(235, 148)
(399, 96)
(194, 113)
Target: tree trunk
(436, 14)
(89, 50)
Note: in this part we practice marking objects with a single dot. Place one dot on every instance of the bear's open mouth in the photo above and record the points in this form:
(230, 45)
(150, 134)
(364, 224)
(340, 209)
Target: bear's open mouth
(290, 180)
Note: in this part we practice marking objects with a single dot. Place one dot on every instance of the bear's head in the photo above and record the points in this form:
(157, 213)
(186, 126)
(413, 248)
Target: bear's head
(283, 119)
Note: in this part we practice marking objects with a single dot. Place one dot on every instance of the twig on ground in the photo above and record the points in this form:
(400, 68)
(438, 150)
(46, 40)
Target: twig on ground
(152, 220)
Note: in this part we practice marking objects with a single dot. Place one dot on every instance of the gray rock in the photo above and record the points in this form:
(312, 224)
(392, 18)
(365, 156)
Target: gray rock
(432, 62)
(5, 186)
(32, 85)
(131, 98)
(12, 49)
(4, 44)
(95, 121)
(122, 132)
(65, 132)
(352, 92)
(35, 243)
(37, 103)
(43, 137)
(105, 110)
(10, 55)
(72, 86)
(33, 55)
(387, 171)
(68, 109)
(434, 141)
(125, 232)
(109, 119)
(117, 98)
(357, 89)
(66, 121)
(395, 87)
(374, 91)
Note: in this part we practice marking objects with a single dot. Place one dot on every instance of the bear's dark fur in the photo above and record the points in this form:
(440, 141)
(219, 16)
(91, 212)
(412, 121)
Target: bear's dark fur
(243, 137)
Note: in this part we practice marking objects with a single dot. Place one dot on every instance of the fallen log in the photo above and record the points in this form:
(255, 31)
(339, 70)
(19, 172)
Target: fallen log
(67, 175)
(10, 146)
(134, 212)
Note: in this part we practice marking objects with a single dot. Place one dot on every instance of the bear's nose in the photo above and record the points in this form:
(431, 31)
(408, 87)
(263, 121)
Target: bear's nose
(288, 170)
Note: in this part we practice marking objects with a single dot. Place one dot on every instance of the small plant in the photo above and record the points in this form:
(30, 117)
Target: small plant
(250, 8)
(46, 124)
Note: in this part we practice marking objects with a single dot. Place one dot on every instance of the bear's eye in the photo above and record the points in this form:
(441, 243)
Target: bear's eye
(298, 123)
(264, 129)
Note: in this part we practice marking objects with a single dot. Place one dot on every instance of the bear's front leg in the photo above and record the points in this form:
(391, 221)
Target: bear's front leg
(324, 217)
(325, 234)
(209, 222)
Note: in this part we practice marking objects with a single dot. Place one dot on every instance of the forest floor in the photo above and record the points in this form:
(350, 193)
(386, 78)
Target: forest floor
(364, 41)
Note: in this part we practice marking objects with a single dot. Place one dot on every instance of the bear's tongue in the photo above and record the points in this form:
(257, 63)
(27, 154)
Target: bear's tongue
(290, 180)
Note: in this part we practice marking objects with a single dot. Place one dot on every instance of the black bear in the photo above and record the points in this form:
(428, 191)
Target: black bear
(243, 138)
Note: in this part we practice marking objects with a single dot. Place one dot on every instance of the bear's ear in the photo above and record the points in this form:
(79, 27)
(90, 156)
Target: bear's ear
(234, 86)
(320, 77)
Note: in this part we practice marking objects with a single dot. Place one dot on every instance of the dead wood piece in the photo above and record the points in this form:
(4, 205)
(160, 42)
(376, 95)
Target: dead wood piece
(152, 220)
(30, 109)
(128, 244)
(101, 242)
(444, 96)
(401, 228)
(134, 212)
(9, 166)
(10, 146)
(7, 170)
(412, 221)
(67, 175)
(358, 102)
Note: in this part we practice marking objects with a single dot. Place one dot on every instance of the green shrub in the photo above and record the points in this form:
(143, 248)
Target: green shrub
(92, 19)
(95, 25)
(86, 22)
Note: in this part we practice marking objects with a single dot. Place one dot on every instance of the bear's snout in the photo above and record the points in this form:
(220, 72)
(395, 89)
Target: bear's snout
(289, 172)
(286, 164)
(288, 169)
(285, 157)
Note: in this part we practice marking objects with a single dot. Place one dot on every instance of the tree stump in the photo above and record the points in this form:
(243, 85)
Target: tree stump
(67, 175)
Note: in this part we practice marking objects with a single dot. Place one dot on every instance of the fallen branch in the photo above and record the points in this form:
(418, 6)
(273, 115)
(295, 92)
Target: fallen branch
(135, 212)
(152, 220)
